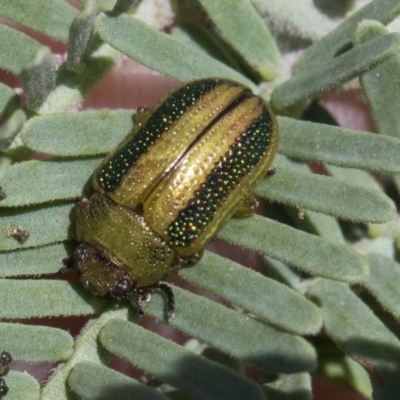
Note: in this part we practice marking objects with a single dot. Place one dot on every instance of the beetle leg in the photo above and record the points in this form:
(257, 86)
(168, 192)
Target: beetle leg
(5, 359)
(271, 171)
(144, 295)
(140, 309)
(245, 207)
(170, 299)
(67, 265)
(196, 257)
(3, 387)
(4, 369)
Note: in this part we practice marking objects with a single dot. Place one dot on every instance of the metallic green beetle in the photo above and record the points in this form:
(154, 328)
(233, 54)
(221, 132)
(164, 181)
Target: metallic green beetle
(190, 165)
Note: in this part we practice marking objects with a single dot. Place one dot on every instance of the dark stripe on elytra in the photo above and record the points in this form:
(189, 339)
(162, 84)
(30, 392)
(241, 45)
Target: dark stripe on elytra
(158, 124)
(243, 155)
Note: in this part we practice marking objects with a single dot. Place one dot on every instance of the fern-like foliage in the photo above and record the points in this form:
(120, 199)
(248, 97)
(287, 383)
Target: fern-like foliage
(337, 283)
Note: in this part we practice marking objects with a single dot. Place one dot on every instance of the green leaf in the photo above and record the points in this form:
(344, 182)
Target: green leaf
(290, 387)
(18, 339)
(71, 87)
(317, 224)
(52, 18)
(11, 60)
(87, 349)
(80, 33)
(358, 377)
(309, 253)
(341, 37)
(343, 147)
(38, 77)
(396, 180)
(260, 296)
(205, 40)
(320, 78)
(342, 370)
(10, 129)
(357, 331)
(44, 260)
(327, 195)
(283, 273)
(125, 5)
(45, 298)
(353, 176)
(22, 386)
(44, 225)
(384, 282)
(91, 381)
(173, 364)
(309, 221)
(382, 245)
(8, 100)
(391, 229)
(168, 55)
(34, 182)
(381, 85)
(246, 32)
(296, 21)
(77, 134)
(254, 342)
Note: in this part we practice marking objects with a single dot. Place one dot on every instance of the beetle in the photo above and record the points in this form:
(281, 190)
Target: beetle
(190, 165)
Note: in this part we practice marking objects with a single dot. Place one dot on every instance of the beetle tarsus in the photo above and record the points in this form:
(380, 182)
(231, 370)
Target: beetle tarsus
(170, 299)
(144, 295)
(5, 357)
(67, 265)
(3, 387)
(271, 171)
(5, 360)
